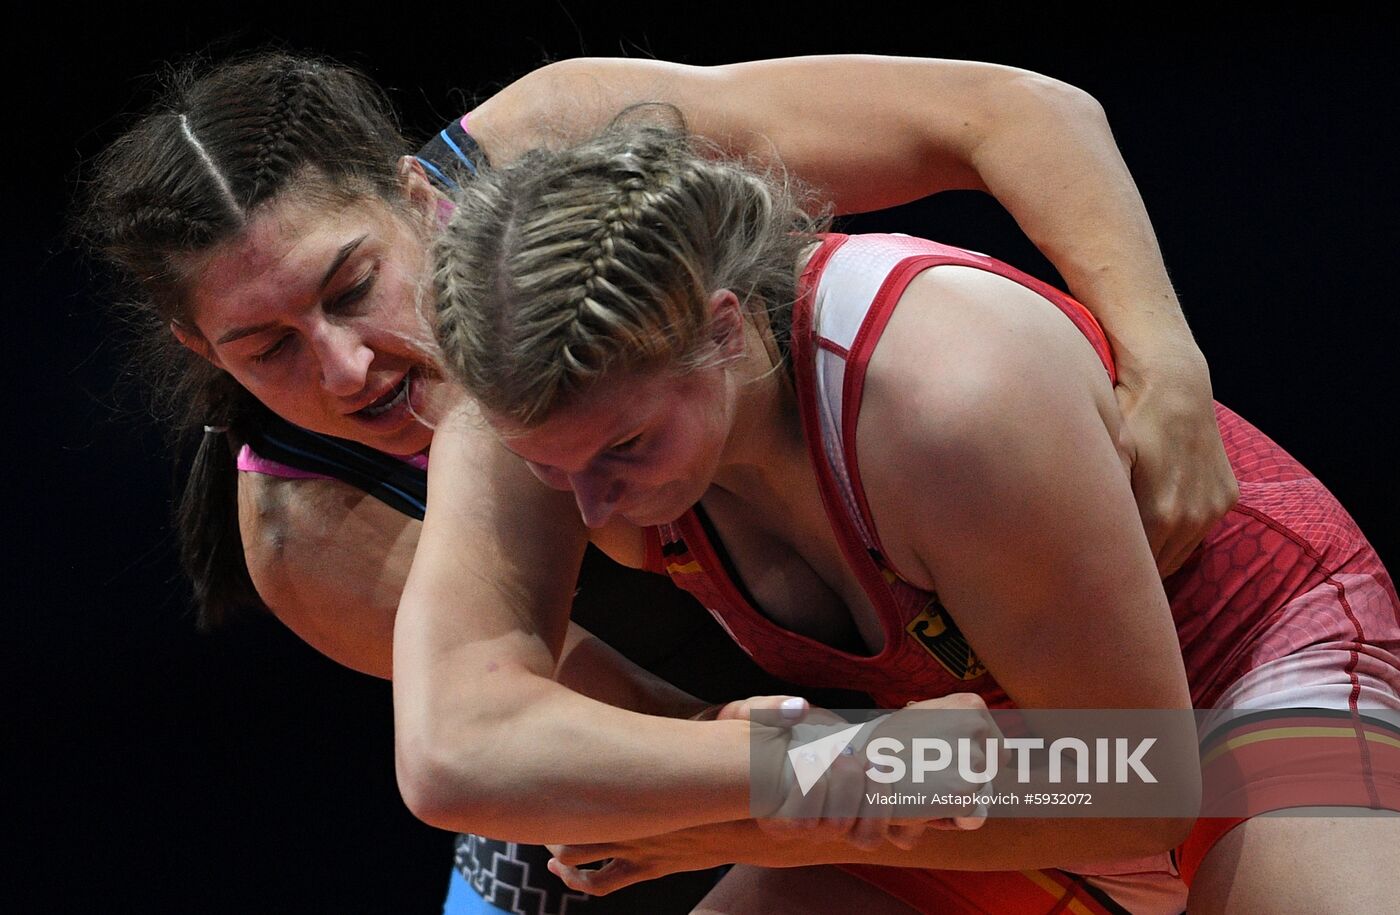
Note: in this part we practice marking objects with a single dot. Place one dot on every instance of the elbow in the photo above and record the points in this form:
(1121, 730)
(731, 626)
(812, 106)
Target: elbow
(1013, 96)
(455, 771)
(440, 788)
(1046, 93)
(428, 787)
(1012, 103)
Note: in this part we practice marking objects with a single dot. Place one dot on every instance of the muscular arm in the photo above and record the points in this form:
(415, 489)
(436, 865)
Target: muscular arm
(1030, 537)
(873, 132)
(998, 845)
(331, 561)
(877, 131)
(487, 741)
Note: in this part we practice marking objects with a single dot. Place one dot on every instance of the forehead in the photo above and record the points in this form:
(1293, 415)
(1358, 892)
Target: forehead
(285, 250)
(594, 420)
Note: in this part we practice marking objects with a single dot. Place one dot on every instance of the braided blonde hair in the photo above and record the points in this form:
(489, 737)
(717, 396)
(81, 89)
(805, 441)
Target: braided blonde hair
(572, 263)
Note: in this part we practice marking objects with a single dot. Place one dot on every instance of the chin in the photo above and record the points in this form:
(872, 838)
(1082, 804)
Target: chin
(410, 438)
(410, 441)
(651, 518)
(659, 512)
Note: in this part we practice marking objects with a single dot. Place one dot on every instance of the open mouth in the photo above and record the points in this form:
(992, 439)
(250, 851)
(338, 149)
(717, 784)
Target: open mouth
(391, 399)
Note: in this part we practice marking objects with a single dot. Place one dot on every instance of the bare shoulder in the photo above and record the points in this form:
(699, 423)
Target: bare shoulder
(330, 562)
(289, 525)
(989, 456)
(974, 375)
(975, 339)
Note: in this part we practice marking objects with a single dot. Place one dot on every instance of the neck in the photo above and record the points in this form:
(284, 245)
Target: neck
(766, 439)
(765, 443)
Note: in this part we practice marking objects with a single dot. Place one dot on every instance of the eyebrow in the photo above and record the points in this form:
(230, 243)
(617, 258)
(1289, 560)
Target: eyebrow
(522, 457)
(341, 256)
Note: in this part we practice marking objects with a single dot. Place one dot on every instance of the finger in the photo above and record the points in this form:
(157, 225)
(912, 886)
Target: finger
(798, 814)
(1152, 508)
(975, 820)
(1173, 555)
(870, 830)
(845, 794)
(906, 835)
(583, 854)
(613, 876)
(571, 876)
(790, 709)
(805, 812)
(1183, 541)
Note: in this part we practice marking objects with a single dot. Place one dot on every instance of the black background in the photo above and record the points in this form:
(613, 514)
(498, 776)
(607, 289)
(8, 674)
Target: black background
(161, 770)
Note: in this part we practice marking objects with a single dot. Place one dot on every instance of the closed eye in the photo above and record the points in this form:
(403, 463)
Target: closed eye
(355, 293)
(627, 444)
(271, 352)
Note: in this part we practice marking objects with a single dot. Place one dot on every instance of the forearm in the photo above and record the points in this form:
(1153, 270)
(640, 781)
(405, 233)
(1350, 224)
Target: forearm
(488, 742)
(1006, 844)
(593, 668)
(485, 740)
(1049, 157)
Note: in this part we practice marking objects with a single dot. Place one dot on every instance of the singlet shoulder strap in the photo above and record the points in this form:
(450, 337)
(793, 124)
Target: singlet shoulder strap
(451, 154)
(400, 485)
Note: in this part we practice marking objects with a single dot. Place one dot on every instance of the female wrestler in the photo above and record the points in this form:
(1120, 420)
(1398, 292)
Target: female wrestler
(236, 139)
(223, 200)
(922, 432)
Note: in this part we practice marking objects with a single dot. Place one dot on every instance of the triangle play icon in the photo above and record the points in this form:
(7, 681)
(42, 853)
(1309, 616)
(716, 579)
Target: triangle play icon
(811, 760)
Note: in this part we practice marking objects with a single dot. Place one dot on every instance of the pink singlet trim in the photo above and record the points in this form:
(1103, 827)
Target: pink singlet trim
(250, 461)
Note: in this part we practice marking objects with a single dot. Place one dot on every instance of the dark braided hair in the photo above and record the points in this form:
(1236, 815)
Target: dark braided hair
(186, 177)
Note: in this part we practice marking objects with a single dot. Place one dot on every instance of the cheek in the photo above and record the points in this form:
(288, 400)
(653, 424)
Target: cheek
(400, 306)
(280, 381)
(394, 329)
(290, 390)
(686, 454)
(554, 479)
(703, 434)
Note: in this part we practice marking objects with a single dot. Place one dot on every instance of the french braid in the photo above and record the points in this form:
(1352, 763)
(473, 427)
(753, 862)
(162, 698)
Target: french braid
(188, 176)
(572, 263)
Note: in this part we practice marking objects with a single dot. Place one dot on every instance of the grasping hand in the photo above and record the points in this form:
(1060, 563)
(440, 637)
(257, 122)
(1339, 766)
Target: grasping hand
(1181, 478)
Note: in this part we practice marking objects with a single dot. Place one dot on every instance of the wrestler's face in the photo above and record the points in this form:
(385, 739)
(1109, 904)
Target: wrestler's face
(314, 309)
(640, 446)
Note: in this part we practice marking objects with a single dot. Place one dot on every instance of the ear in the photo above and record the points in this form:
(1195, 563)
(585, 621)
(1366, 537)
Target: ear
(417, 189)
(727, 323)
(194, 341)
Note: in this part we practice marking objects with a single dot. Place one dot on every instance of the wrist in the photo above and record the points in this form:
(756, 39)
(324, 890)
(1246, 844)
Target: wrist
(1161, 359)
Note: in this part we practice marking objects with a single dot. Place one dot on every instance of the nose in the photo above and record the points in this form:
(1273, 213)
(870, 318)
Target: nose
(597, 495)
(344, 359)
